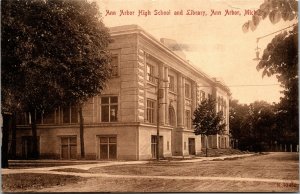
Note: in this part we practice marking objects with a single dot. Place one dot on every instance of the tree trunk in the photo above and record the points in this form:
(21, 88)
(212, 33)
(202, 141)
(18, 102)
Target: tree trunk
(81, 123)
(13, 147)
(35, 152)
(206, 147)
(5, 136)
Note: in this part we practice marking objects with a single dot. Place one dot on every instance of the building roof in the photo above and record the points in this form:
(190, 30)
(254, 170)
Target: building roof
(131, 29)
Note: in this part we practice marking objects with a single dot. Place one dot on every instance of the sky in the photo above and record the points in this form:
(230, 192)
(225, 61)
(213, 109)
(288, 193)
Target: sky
(220, 47)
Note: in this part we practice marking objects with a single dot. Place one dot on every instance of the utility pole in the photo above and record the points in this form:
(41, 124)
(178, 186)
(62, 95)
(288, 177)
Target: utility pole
(159, 94)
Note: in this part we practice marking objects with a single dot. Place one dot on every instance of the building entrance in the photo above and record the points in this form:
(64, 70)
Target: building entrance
(154, 144)
(192, 146)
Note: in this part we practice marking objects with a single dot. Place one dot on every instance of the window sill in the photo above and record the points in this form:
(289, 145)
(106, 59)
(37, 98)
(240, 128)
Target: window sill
(147, 122)
(151, 83)
(172, 92)
(109, 121)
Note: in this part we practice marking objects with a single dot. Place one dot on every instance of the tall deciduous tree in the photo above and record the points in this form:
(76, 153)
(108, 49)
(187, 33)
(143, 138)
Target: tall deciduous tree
(207, 121)
(280, 58)
(256, 127)
(53, 54)
(9, 107)
(275, 10)
(238, 121)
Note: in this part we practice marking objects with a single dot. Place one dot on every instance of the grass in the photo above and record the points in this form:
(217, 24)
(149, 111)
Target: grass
(32, 182)
(157, 185)
(38, 164)
(221, 152)
(76, 170)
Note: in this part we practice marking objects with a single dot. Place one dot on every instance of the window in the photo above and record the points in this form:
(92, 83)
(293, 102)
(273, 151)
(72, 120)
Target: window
(38, 117)
(27, 146)
(109, 109)
(209, 96)
(63, 115)
(68, 148)
(188, 119)
(187, 91)
(153, 146)
(172, 119)
(150, 73)
(225, 109)
(49, 117)
(150, 111)
(203, 141)
(23, 118)
(108, 147)
(171, 83)
(70, 114)
(202, 96)
(115, 65)
(219, 104)
(168, 145)
(224, 104)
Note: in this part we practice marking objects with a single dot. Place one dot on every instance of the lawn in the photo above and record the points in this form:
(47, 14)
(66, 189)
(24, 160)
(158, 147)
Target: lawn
(32, 182)
(158, 185)
(38, 164)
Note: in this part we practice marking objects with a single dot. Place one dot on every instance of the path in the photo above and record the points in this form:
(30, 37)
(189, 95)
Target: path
(49, 170)
(111, 163)
(102, 175)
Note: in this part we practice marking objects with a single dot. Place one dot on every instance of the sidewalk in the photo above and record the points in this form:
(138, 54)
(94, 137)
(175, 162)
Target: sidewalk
(200, 159)
(52, 170)
(76, 166)
(95, 164)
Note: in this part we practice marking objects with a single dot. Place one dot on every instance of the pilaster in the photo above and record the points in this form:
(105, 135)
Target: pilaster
(166, 100)
(141, 66)
(194, 97)
(180, 100)
(162, 88)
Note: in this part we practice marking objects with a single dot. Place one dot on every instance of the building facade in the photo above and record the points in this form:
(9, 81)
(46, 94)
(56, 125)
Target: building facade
(121, 123)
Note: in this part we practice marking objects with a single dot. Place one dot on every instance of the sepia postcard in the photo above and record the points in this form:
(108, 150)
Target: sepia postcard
(149, 96)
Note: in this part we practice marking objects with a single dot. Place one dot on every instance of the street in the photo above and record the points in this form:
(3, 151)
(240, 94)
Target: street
(273, 172)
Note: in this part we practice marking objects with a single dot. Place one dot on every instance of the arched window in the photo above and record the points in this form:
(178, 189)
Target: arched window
(172, 117)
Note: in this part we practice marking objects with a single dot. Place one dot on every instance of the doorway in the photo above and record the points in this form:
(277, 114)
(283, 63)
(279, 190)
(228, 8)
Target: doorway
(192, 146)
(154, 144)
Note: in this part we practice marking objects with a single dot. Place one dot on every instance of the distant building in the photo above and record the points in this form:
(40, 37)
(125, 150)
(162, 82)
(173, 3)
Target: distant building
(121, 122)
